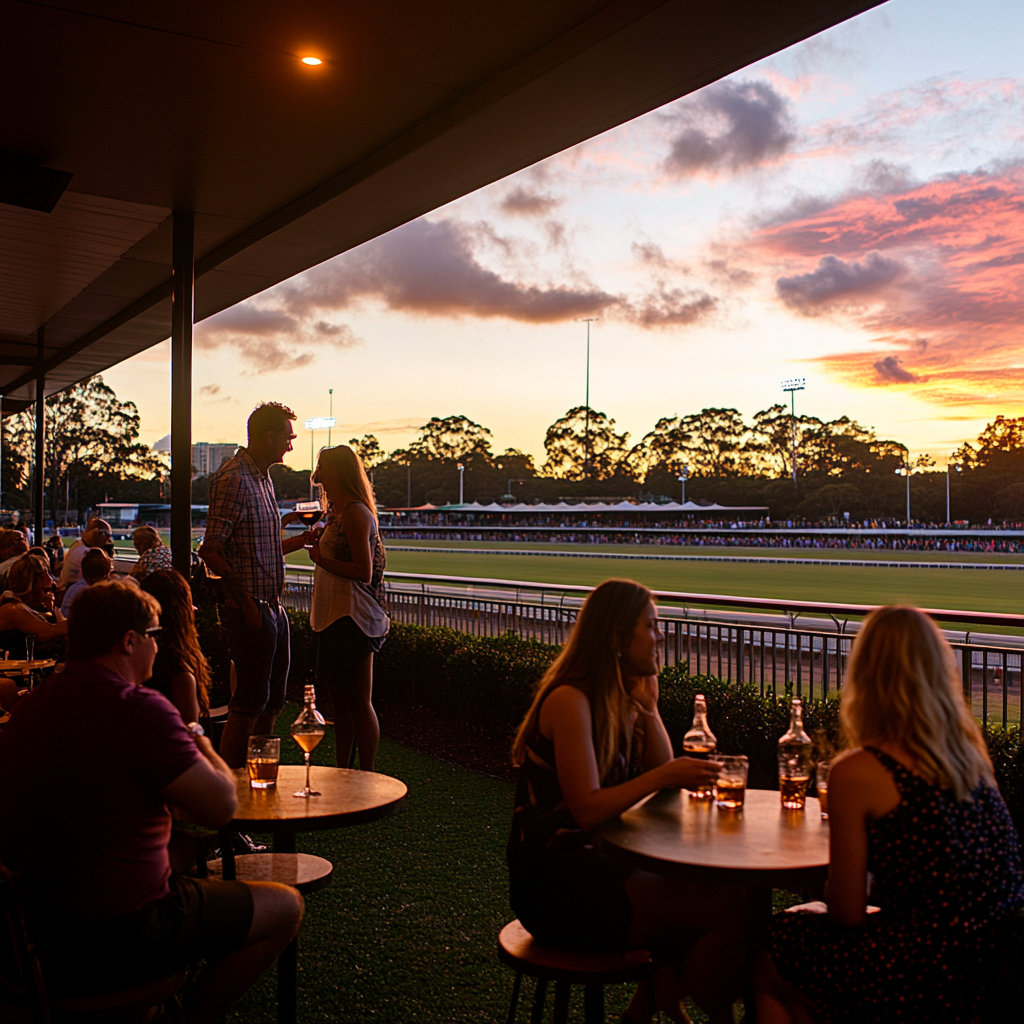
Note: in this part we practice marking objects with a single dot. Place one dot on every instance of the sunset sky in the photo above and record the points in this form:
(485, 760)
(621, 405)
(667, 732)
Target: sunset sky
(850, 211)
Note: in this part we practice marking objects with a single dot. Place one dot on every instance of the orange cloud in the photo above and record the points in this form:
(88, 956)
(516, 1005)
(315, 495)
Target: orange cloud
(934, 273)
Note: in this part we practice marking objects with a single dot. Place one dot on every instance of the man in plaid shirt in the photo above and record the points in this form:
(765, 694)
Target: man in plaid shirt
(243, 545)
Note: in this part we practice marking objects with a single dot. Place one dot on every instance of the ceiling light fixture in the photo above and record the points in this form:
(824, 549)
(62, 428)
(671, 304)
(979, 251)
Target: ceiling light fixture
(312, 61)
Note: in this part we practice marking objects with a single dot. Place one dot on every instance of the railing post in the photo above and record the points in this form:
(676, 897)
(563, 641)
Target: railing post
(739, 656)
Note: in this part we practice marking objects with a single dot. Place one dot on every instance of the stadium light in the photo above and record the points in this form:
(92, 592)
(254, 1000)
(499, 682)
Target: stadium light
(791, 385)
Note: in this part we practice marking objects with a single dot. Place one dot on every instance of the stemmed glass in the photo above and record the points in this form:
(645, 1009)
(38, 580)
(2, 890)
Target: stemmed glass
(308, 730)
(309, 512)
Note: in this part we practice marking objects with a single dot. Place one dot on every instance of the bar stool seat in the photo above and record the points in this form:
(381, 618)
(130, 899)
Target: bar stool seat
(302, 871)
(518, 949)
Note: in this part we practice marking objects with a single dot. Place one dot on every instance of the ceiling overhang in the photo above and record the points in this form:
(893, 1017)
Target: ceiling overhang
(207, 108)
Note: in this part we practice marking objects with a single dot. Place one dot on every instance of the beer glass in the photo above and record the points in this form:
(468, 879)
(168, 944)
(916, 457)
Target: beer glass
(822, 782)
(30, 647)
(731, 784)
(262, 760)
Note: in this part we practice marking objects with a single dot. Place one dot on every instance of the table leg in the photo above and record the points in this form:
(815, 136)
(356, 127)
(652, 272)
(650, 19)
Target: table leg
(758, 915)
(288, 961)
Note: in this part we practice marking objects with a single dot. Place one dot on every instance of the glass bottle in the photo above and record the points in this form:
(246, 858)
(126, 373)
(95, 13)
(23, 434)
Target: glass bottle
(795, 757)
(308, 730)
(700, 742)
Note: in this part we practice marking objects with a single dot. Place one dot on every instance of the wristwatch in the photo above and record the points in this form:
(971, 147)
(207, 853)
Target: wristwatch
(195, 729)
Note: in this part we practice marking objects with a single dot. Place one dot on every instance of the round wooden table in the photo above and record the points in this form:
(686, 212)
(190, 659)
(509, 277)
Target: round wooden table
(756, 849)
(347, 797)
(762, 845)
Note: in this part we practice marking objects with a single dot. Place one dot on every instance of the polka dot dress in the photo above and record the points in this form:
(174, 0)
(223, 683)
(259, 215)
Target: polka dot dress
(944, 874)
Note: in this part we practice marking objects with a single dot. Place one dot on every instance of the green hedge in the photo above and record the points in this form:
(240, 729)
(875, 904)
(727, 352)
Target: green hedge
(486, 684)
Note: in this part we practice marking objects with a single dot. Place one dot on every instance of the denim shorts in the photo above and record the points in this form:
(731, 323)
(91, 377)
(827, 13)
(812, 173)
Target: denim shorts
(262, 658)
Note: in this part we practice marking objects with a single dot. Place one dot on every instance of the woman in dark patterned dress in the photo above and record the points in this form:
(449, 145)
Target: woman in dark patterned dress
(595, 712)
(915, 816)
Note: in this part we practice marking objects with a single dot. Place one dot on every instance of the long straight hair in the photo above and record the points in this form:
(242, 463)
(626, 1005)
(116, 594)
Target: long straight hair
(590, 662)
(902, 687)
(179, 641)
(343, 461)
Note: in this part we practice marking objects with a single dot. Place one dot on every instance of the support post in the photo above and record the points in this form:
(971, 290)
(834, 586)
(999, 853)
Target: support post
(39, 491)
(182, 308)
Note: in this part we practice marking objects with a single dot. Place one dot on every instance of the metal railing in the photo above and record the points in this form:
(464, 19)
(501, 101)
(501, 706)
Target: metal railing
(733, 639)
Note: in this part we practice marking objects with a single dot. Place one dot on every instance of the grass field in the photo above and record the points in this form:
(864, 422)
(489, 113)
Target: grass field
(968, 590)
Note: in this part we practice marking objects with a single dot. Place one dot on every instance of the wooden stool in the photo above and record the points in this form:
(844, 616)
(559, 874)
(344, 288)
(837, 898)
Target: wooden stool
(518, 949)
(302, 871)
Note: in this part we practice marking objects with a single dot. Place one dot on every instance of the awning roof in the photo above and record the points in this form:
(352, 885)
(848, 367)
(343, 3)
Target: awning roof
(207, 107)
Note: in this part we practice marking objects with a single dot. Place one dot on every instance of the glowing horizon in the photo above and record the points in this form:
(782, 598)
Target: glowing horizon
(847, 211)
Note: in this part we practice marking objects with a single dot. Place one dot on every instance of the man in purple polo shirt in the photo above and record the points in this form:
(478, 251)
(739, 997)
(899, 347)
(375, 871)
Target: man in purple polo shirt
(91, 760)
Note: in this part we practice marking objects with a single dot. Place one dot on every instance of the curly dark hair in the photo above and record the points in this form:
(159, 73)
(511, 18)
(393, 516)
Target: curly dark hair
(266, 418)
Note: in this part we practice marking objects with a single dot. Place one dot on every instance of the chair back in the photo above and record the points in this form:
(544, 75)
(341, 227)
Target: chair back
(26, 990)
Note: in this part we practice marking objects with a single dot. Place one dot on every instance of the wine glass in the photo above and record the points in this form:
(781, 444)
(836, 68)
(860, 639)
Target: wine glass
(308, 730)
(310, 512)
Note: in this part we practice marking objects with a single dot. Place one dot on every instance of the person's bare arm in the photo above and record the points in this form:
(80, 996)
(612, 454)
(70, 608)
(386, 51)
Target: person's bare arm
(205, 793)
(357, 527)
(15, 616)
(566, 713)
(212, 553)
(656, 746)
(184, 697)
(850, 785)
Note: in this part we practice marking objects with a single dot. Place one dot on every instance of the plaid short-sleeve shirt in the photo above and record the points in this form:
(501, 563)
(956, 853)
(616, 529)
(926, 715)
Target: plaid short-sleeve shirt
(243, 515)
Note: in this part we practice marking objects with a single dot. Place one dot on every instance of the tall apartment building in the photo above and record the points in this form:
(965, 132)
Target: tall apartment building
(208, 458)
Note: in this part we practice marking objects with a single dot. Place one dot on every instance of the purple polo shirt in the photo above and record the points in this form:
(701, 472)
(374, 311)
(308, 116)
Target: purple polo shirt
(82, 763)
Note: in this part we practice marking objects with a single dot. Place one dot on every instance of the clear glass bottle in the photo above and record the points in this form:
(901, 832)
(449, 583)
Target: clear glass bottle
(700, 742)
(795, 759)
(308, 730)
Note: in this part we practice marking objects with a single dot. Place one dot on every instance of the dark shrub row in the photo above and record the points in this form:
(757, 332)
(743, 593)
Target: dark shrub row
(486, 684)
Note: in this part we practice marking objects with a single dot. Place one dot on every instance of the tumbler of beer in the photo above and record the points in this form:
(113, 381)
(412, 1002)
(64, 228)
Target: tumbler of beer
(822, 782)
(731, 784)
(262, 761)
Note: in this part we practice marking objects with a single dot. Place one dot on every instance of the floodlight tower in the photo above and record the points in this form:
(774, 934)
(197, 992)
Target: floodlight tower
(792, 385)
(586, 430)
(462, 470)
(683, 475)
(959, 468)
(313, 424)
(906, 471)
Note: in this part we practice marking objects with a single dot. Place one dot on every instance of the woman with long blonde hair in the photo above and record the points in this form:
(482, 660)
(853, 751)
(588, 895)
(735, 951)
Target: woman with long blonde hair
(919, 829)
(347, 612)
(594, 714)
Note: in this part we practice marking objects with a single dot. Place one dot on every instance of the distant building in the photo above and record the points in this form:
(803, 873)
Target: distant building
(208, 458)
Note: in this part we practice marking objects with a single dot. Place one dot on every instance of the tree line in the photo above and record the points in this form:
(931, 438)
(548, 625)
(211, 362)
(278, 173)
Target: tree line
(93, 453)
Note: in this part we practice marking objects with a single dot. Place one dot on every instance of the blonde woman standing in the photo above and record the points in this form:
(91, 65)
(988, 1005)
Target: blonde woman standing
(914, 813)
(347, 613)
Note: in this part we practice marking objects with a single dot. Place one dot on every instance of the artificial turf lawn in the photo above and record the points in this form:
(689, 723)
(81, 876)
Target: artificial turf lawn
(407, 930)
(408, 927)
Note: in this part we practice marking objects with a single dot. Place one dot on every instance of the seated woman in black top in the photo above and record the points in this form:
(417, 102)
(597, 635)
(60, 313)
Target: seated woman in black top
(180, 671)
(595, 713)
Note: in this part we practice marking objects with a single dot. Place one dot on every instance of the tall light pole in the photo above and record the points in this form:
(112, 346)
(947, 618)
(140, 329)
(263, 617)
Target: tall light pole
(959, 469)
(330, 414)
(682, 484)
(792, 385)
(462, 470)
(906, 471)
(313, 424)
(586, 430)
